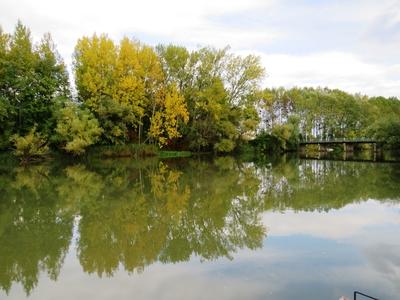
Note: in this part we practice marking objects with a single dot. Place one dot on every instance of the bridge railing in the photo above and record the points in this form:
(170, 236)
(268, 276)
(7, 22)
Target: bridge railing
(340, 140)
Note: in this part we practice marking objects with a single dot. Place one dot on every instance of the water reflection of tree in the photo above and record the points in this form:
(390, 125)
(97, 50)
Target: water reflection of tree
(35, 231)
(324, 185)
(169, 216)
(133, 214)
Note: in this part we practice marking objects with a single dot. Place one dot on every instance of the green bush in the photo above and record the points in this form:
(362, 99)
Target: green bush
(266, 143)
(76, 129)
(224, 146)
(32, 146)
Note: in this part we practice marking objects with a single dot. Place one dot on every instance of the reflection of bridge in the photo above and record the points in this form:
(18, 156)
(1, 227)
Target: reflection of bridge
(348, 144)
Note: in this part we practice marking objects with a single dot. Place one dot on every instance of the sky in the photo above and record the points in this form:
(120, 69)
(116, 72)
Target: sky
(353, 45)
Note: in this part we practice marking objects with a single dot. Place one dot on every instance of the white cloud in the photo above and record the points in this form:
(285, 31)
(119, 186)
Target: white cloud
(332, 69)
(176, 20)
(343, 50)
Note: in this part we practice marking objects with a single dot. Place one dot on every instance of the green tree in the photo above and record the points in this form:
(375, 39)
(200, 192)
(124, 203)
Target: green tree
(220, 91)
(32, 77)
(387, 131)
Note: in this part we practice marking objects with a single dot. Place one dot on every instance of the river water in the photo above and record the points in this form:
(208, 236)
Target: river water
(200, 228)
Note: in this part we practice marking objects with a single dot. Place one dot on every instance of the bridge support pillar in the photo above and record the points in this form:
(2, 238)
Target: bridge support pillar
(302, 148)
(347, 147)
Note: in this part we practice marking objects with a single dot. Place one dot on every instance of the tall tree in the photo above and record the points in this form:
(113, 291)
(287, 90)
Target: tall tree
(119, 83)
(166, 120)
(32, 77)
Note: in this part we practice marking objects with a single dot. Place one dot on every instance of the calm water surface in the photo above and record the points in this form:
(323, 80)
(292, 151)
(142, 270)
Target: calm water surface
(200, 229)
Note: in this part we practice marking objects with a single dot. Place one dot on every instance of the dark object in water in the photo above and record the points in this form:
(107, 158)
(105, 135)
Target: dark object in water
(359, 293)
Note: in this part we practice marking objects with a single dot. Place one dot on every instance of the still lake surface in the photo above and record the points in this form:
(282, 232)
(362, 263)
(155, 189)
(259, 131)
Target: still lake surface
(200, 228)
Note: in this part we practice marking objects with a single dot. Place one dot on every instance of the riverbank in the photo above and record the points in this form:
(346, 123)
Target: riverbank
(132, 151)
(135, 151)
(246, 151)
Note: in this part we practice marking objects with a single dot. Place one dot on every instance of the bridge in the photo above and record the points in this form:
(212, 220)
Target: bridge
(348, 144)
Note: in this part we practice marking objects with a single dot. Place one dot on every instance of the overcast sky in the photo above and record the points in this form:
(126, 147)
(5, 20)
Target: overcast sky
(353, 45)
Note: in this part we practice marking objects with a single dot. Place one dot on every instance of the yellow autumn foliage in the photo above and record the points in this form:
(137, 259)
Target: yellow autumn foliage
(165, 122)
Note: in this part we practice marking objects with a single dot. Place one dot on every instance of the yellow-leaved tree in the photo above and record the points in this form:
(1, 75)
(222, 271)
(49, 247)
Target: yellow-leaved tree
(95, 69)
(128, 88)
(111, 81)
(164, 124)
(153, 78)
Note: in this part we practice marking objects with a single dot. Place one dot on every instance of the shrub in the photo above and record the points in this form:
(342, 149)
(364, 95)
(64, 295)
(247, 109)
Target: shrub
(32, 146)
(267, 143)
(225, 145)
(76, 129)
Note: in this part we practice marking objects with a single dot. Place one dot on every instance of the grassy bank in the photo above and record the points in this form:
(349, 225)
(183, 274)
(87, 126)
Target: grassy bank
(129, 151)
(135, 151)
(171, 154)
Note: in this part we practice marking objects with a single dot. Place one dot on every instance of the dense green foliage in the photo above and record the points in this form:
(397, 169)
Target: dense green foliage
(220, 91)
(200, 100)
(32, 76)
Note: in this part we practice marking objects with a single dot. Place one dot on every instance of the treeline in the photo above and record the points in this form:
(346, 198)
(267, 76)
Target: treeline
(291, 115)
(126, 92)
(130, 93)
